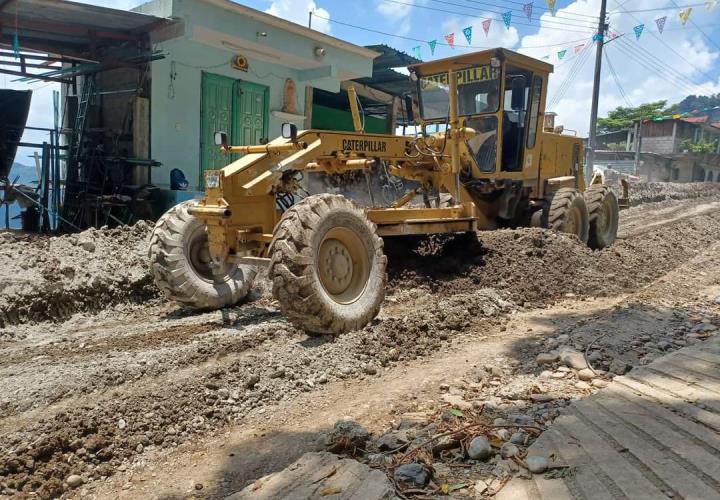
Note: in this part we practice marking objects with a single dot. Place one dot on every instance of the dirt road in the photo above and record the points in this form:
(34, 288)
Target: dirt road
(141, 399)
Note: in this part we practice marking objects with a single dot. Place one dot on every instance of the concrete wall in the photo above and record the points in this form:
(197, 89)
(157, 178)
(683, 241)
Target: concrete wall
(212, 34)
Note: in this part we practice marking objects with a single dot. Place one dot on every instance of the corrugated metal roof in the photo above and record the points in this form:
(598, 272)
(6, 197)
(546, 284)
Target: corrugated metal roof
(695, 119)
(70, 28)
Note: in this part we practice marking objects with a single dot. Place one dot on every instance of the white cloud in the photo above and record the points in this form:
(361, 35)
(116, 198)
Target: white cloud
(498, 35)
(297, 12)
(397, 11)
(694, 60)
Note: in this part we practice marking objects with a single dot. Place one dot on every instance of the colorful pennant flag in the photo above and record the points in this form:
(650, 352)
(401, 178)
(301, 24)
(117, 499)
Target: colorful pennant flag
(711, 4)
(16, 46)
(578, 48)
(551, 6)
(416, 51)
(486, 26)
(527, 8)
(597, 37)
(507, 18)
(432, 44)
(685, 15)
(468, 34)
(661, 23)
(562, 53)
(638, 31)
(450, 40)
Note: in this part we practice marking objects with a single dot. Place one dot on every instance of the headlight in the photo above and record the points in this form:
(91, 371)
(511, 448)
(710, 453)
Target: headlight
(212, 180)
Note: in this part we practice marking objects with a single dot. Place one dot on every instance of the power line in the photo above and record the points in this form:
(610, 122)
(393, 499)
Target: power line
(660, 8)
(540, 8)
(419, 40)
(578, 64)
(698, 27)
(617, 80)
(496, 19)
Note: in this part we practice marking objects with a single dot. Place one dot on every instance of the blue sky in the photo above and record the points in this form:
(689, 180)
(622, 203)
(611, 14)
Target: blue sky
(682, 60)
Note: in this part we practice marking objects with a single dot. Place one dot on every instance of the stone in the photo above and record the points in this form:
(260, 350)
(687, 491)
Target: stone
(508, 450)
(252, 381)
(518, 419)
(391, 440)
(619, 366)
(518, 438)
(139, 448)
(74, 481)
(347, 435)
(88, 245)
(717, 299)
(412, 475)
(546, 358)
(573, 358)
(370, 369)
(558, 374)
(704, 327)
(582, 385)
(480, 487)
(456, 401)
(536, 464)
(121, 424)
(664, 345)
(600, 383)
(586, 374)
(444, 443)
(541, 398)
(479, 448)
(545, 374)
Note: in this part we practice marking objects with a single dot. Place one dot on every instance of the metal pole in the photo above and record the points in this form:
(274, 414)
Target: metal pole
(310, 19)
(596, 92)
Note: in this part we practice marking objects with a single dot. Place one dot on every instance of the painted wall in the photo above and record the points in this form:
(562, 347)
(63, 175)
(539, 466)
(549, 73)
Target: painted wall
(202, 46)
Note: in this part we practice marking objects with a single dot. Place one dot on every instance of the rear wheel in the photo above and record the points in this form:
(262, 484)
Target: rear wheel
(568, 213)
(604, 213)
(181, 264)
(327, 265)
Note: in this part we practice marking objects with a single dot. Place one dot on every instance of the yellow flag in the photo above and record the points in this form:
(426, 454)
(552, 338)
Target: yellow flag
(711, 4)
(551, 5)
(685, 15)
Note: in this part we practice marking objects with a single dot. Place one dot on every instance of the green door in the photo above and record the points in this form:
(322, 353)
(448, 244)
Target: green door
(236, 107)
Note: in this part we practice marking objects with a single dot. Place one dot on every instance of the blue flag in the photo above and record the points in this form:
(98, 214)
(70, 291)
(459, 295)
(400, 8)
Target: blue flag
(638, 31)
(507, 17)
(432, 44)
(416, 51)
(468, 34)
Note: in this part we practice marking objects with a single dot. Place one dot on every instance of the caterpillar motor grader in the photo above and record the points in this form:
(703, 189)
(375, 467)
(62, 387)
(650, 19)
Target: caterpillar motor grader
(484, 160)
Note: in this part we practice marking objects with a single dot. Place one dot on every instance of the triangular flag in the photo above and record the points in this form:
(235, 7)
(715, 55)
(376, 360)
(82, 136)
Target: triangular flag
(527, 8)
(562, 53)
(468, 34)
(416, 51)
(551, 6)
(450, 40)
(711, 4)
(578, 48)
(507, 18)
(16, 46)
(685, 15)
(661, 23)
(432, 44)
(597, 37)
(638, 31)
(486, 26)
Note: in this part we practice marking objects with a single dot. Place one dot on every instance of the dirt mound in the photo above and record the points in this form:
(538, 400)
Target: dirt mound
(648, 192)
(536, 266)
(50, 278)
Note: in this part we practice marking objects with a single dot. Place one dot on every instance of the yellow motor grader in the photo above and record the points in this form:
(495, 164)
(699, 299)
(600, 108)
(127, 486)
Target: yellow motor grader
(484, 160)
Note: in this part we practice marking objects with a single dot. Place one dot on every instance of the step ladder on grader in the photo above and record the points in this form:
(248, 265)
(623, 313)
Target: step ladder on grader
(485, 159)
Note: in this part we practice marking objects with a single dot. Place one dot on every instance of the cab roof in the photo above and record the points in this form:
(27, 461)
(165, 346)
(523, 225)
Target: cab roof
(515, 58)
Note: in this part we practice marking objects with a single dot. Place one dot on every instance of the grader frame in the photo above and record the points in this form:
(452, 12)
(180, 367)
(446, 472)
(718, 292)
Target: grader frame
(243, 224)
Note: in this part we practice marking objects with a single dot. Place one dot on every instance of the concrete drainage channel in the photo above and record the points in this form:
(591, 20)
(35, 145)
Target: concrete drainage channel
(107, 429)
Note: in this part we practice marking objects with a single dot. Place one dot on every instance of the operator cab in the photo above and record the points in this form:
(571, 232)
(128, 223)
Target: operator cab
(499, 96)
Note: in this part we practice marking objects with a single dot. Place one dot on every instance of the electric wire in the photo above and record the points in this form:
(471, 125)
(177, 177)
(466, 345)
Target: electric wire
(658, 8)
(697, 27)
(577, 66)
(617, 80)
(412, 39)
(536, 8)
(517, 23)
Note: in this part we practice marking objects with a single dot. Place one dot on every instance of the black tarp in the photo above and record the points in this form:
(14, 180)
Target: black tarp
(14, 109)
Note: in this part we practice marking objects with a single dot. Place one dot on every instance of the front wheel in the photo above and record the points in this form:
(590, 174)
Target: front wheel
(568, 213)
(181, 264)
(327, 265)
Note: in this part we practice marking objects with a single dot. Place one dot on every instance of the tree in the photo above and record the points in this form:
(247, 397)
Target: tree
(623, 117)
(693, 102)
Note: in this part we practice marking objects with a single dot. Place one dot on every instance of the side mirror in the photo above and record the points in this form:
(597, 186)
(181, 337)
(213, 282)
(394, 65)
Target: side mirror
(221, 139)
(517, 96)
(409, 113)
(289, 131)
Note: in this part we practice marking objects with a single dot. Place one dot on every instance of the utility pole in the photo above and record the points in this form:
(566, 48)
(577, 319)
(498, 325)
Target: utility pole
(590, 158)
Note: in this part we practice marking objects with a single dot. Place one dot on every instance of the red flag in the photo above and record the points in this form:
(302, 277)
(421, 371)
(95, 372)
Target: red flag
(578, 48)
(486, 26)
(450, 40)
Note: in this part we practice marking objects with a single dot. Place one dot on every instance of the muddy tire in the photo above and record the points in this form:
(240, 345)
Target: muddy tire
(327, 265)
(568, 213)
(181, 268)
(604, 214)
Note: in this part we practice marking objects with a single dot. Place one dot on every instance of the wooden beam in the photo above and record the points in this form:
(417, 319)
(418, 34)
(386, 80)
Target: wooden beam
(308, 107)
(66, 29)
(368, 92)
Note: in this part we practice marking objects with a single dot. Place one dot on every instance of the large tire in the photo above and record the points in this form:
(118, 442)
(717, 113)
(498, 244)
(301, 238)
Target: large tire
(604, 213)
(327, 265)
(568, 213)
(181, 264)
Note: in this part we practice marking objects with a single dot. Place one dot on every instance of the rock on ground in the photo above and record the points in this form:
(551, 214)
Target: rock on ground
(319, 475)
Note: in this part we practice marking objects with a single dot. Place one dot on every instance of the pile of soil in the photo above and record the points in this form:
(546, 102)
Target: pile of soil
(51, 278)
(648, 192)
